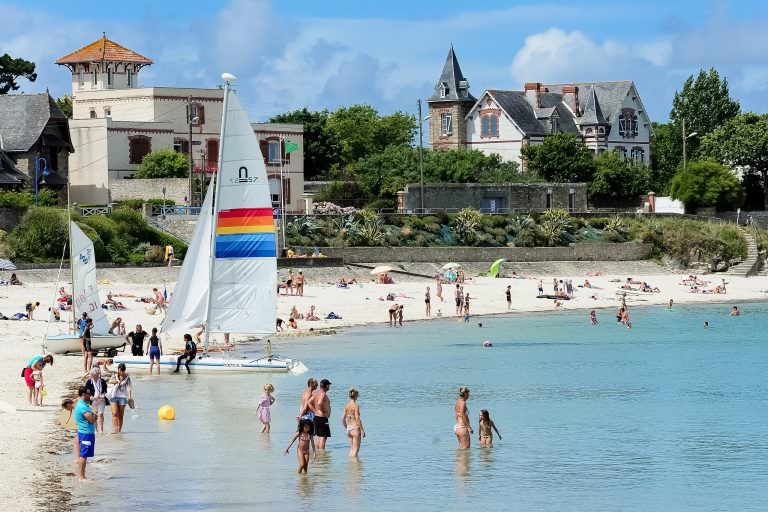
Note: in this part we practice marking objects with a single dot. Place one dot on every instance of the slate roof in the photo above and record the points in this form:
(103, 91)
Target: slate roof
(592, 114)
(456, 83)
(517, 107)
(610, 95)
(104, 49)
(24, 117)
(9, 174)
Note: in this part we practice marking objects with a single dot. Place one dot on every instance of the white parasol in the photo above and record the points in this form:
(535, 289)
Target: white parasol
(449, 266)
(382, 269)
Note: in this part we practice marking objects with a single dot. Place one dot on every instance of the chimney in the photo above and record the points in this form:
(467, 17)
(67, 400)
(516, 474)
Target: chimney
(571, 98)
(533, 93)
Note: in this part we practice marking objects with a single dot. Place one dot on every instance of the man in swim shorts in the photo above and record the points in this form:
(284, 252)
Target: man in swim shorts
(86, 432)
(321, 406)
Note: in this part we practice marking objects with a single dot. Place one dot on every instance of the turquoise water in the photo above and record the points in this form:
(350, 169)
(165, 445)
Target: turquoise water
(665, 416)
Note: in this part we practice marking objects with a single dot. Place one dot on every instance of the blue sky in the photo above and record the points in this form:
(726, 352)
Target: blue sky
(323, 54)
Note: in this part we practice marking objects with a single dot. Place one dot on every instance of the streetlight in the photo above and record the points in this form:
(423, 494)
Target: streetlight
(421, 155)
(37, 171)
(685, 138)
(191, 121)
(163, 203)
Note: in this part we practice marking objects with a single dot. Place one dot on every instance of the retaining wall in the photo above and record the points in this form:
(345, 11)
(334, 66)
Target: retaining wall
(175, 189)
(629, 251)
(9, 218)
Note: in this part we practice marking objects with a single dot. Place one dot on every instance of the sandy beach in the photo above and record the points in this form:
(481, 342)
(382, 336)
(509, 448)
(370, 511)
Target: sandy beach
(31, 435)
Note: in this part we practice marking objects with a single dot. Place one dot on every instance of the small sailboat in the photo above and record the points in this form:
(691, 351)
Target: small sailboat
(228, 281)
(85, 299)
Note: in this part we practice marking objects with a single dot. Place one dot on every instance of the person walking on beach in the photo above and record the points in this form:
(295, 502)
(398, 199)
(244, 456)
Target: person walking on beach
(300, 284)
(541, 287)
(122, 396)
(321, 406)
(393, 309)
(427, 305)
(189, 355)
(86, 432)
(459, 300)
(353, 424)
(85, 345)
(439, 290)
(155, 350)
(97, 388)
(265, 402)
(485, 429)
(462, 428)
(305, 404)
(509, 297)
(290, 281)
(306, 442)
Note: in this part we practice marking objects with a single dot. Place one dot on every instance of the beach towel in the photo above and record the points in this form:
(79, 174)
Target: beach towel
(332, 316)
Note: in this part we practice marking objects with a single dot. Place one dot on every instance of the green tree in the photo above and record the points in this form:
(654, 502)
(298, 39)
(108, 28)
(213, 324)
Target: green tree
(362, 132)
(742, 142)
(619, 179)
(11, 70)
(164, 163)
(706, 183)
(705, 104)
(666, 156)
(321, 147)
(560, 158)
(65, 105)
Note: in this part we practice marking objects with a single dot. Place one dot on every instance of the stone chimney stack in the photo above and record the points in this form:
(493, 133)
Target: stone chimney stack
(571, 98)
(533, 93)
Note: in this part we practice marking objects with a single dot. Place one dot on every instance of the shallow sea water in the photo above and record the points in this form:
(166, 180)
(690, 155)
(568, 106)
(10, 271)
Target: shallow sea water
(665, 416)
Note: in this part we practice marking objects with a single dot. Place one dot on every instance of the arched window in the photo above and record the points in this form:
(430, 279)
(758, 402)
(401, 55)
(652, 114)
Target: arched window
(139, 146)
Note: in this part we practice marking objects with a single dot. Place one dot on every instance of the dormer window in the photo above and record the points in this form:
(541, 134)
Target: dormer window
(628, 123)
(601, 130)
(555, 124)
(443, 90)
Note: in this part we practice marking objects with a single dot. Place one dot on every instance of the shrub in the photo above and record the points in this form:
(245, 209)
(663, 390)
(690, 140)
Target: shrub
(23, 199)
(40, 236)
(164, 163)
(465, 226)
(706, 183)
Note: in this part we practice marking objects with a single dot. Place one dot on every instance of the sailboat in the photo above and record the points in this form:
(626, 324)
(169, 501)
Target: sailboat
(85, 299)
(228, 281)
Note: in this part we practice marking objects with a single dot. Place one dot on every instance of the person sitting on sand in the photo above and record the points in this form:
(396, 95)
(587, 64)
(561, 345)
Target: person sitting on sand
(292, 323)
(15, 280)
(117, 327)
(311, 314)
(633, 281)
(159, 300)
(295, 313)
(112, 302)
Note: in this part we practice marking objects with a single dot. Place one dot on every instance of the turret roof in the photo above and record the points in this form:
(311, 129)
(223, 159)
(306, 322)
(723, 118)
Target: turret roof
(104, 49)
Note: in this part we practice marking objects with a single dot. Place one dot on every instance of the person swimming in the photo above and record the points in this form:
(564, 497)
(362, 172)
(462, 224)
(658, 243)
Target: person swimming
(487, 343)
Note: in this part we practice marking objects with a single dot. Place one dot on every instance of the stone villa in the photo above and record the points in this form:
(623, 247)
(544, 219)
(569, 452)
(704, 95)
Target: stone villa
(606, 116)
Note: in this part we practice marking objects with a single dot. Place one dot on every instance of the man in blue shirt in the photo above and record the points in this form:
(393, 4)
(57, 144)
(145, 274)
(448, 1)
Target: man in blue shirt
(86, 432)
(81, 323)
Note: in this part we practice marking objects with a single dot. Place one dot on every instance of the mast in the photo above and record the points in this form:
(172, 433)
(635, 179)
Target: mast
(71, 260)
(217, 189)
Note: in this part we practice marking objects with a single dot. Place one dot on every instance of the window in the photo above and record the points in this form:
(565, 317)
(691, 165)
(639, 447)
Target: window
(181, 146)
(107, 111)
(273, 156)
(637, 155)
(555, 122)
(628, 124)
(81, 78)
(549, 198)
(489, 125)
(109, 76)
(196, 110)
(95, 77)
(129, 76)
(93, 113)
(571, 200)
(601, 129)
(211, 154)
(588, 131)
(443, 90)
(139, 146)
(446, 124)
(622, 151)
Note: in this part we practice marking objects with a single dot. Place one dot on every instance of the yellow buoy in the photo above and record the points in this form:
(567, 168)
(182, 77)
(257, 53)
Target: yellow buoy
(166, 412)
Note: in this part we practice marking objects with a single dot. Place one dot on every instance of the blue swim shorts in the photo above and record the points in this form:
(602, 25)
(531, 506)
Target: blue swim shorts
(154, 353)
(87, 444)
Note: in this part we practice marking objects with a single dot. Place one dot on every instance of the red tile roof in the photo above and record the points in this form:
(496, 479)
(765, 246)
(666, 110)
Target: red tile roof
(103, 49)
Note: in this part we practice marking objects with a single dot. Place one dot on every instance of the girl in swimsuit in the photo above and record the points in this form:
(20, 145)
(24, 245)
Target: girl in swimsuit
(306, 441)
(263, 409)
(486, 428)
(352, 422)
(427, 303)
(462, 429)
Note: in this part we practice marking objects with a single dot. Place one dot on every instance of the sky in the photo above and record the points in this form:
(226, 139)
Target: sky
(324, 54)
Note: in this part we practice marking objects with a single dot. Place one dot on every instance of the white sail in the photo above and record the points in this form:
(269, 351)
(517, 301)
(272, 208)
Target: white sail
(86, 292)
(187, 306)
(244, 275)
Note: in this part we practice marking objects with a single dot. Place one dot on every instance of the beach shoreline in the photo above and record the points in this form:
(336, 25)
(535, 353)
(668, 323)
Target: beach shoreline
(33, 440)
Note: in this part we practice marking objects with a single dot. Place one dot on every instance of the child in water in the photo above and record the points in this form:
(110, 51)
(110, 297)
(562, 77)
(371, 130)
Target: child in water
(306, 440)
(265, 402)
(485, 429)
(593, 317)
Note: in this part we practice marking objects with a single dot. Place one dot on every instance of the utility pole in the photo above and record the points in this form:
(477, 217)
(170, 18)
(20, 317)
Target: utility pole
(203, 184)
(189, 150)
(421, 157)
(685, 137)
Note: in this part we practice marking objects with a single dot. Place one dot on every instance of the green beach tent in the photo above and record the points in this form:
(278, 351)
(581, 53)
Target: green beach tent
(494, 271)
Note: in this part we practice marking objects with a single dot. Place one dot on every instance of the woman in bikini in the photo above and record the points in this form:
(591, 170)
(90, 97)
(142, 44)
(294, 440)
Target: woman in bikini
(306, 441)
(486, 428)
(353, 423)
(462, 428)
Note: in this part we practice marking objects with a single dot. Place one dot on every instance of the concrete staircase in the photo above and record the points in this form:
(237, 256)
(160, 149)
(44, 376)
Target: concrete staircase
(749, 266)
(180, 227)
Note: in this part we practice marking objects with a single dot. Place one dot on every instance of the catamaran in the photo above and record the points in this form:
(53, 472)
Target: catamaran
(85, 299)
(228, 281)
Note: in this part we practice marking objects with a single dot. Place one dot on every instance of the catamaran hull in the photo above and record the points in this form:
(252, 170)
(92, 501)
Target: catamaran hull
(67, 344)
(203, 363)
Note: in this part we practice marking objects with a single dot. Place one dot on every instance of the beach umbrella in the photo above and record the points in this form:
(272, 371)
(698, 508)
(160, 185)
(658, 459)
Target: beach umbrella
(6, 265)
(449, 266)
(494, 271)
(382, 269)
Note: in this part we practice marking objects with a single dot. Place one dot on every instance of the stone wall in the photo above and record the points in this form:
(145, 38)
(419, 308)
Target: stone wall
(506, 195)
(175, 189)
(629, 251)
(9, 218)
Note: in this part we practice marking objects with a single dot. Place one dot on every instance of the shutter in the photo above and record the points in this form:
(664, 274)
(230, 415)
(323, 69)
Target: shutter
(287, 191)
(264, 146)
(282, 149)
(200, 114)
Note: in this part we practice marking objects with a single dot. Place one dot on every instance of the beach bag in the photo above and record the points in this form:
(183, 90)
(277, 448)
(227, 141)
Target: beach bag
(111, 392)
(23, 371)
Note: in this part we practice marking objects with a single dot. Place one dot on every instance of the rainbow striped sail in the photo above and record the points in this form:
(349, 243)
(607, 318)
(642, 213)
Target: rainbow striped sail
(245, 233)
